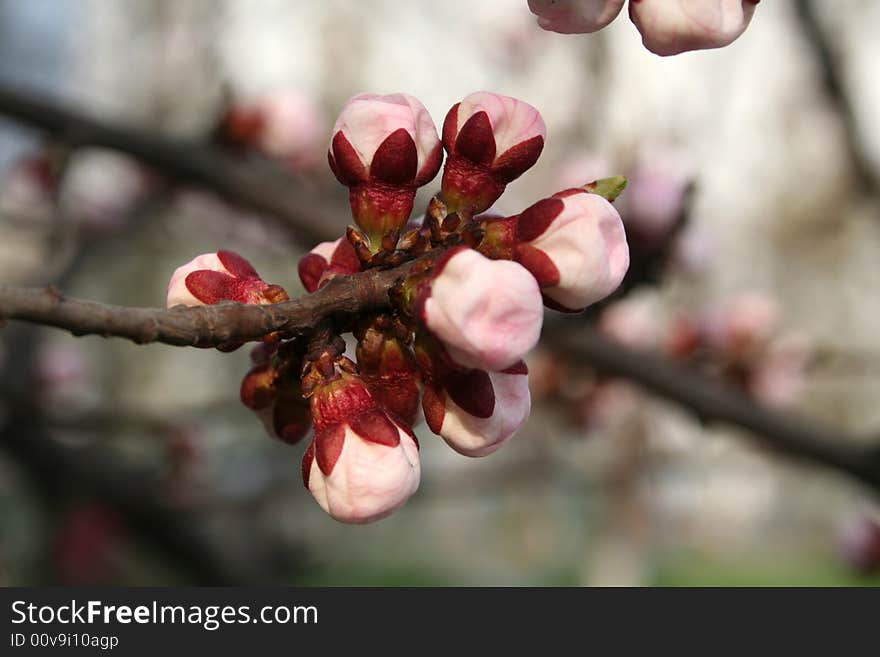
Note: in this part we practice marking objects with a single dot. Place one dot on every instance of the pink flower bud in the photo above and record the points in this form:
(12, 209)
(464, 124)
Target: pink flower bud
(100, 187)
(655, 196)
(743, 324)
(491, 140)
(287, 417)
(859, 543)
(277, 401)
(325, 261)
(361, 465)
(780, 372)
(476, 412)
(575, 16)
(383, 148)
(670, 27)
(575, 246)
(635, 322)
(487, 313)
(222, 276)
(291, 127)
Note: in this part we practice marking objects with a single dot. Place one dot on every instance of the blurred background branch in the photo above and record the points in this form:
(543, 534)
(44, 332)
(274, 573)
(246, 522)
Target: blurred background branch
(260, 186)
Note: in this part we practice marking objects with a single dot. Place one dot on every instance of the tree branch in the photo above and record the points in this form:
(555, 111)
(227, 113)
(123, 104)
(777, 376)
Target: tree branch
(713, 401)
(205, 326)
(262, 188)
(835, 88)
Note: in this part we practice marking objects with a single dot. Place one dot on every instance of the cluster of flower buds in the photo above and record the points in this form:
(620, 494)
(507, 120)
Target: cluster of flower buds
(451, 345)
(668, 27)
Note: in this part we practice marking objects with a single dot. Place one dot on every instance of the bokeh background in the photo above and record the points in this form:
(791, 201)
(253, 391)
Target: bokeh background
(140, 465)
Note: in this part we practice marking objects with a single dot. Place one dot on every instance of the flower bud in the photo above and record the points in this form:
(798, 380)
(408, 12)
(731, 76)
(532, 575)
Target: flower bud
(487, 313)
(259, 388)
(276, 398)
(222, 276)
(362, 465)
(384, 148)
(100, 187)
(288, 417)
(388, 368)
(656, 197)
(292, 127)
(491, 140)
(743, 324)
(859, 543)
(575, 16)
(780, 373)
(670, 27)
(637, 322)
(475, 411)
(575, 246)
(327, 260)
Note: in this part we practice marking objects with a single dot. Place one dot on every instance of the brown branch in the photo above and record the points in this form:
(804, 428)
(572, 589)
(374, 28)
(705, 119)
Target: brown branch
(835, 89)
(713, 401)
(204, 326)
(261, 188)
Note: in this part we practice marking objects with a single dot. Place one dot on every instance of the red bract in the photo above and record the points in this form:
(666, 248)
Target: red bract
(325, 261)
(491, 140)
(389, 369)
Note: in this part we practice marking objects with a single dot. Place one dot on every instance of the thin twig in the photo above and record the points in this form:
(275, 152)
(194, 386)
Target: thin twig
(835, 88)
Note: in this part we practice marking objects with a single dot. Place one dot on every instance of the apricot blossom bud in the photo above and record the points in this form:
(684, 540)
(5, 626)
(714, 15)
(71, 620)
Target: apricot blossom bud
(859, 543)
(575, 16)
(383, 148)
(656, 197)
(487, 313)
(292, 126)
(574, 244)
(475, 411)
(743, 324)
(361, 465)
(491, 140)
(670, 27)
(222, 276)
(327, 260)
